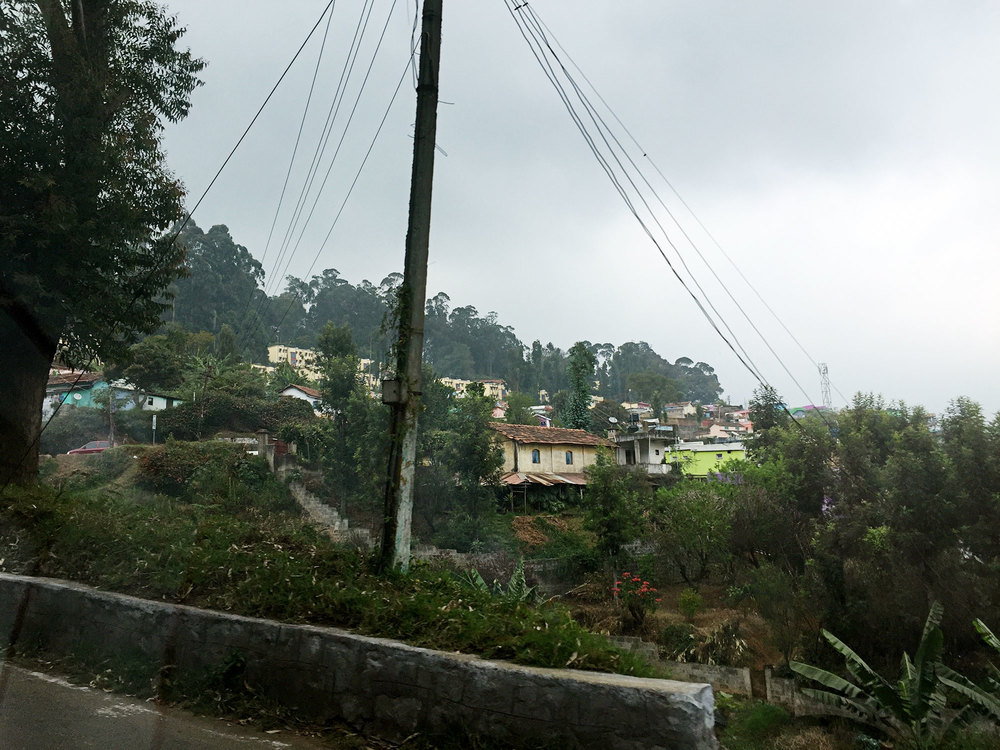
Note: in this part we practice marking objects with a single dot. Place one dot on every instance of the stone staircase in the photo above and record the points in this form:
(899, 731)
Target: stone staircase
(325, 515)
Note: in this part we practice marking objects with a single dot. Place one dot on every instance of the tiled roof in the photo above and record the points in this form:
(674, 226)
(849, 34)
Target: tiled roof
(311, 392)
(525, 433)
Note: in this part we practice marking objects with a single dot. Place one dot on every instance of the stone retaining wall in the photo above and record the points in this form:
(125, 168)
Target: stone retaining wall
(785, 692)
(379, 686)
(734, 680)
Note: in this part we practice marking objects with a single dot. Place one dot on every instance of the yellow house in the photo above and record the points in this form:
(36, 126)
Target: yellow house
(546, 455)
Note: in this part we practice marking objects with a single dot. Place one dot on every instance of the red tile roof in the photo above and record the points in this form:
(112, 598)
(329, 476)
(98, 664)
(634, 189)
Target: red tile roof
(311, 392)
(524, 433)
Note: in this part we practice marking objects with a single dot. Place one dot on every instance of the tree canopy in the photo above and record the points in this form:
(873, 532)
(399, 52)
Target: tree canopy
(84, 90)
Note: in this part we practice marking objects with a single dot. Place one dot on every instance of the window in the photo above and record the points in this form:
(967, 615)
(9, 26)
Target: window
(536, 457)
(569, 457)
(149, 401)
(657, 451)
(718, 456)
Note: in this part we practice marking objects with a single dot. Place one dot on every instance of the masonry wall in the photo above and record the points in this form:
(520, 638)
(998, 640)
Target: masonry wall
(379, 686)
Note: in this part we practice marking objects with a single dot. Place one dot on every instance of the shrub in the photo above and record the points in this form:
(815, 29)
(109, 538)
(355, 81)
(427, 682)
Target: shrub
(676, 638)
(689, 603)
(637, 598)
(212, 472)
(72, 427)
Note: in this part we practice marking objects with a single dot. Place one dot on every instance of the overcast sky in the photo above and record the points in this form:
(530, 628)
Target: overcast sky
(845, 155)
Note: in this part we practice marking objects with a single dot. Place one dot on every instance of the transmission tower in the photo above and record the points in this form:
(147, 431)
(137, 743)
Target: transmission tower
(824, 379)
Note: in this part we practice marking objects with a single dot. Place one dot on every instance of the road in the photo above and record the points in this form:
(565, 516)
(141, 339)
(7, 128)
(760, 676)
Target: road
(42, 712)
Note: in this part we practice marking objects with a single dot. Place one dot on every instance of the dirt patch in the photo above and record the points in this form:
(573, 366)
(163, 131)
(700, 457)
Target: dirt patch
(529, 530)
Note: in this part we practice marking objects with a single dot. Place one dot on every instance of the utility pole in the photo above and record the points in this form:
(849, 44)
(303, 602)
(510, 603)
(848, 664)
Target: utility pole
(403, 393)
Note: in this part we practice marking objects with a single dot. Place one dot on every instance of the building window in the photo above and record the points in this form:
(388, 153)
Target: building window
(657, 451)
(718, 456)
(569, 457)
(149, 401)
(536, 457)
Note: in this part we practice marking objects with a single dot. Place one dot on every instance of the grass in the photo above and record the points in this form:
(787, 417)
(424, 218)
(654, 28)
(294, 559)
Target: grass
(238, 550)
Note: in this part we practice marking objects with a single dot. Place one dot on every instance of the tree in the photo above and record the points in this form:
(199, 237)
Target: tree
(695, 520)
(84, 89)
(580, 370)
(155, 365)
(614, 503)
(519, 409)
(338, 363)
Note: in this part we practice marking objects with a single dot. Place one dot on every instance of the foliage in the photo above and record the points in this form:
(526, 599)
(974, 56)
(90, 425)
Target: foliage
(986, 698)
(72, 427)
(254, 561)
(220, 290)
(636, 598)
(913, 709)
(337, 359)
(518, 409)
(613, 503)
(723, 644)
(694, 521)
(676, 638)
(789, 602)
(516, 590)
(203, 472)
(86, 196)
(689, 603)
(580, 372)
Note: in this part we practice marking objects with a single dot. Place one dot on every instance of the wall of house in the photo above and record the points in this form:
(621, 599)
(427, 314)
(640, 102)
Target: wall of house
(699, 463)
(552, 457)
(380, 687)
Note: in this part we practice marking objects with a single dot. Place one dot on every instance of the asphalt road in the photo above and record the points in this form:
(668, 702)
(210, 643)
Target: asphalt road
(42, 712)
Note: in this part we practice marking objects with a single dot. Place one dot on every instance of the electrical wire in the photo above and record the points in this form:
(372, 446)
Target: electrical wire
(701, 225)
(340, 143)
(534, 33)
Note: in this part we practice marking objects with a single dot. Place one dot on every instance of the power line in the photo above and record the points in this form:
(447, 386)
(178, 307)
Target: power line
(326, 176)
(537, 39)
(705, 229)
(542, 60)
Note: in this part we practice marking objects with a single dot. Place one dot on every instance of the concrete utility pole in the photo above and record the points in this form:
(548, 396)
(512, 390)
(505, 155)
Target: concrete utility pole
(403, 393)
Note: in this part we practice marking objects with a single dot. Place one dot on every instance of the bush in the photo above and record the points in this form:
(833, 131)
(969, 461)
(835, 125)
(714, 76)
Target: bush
(264, 564)
(689, 603)
(72, 427)
(753, 723)
(676, 638)
(637, 599)
(212, 472)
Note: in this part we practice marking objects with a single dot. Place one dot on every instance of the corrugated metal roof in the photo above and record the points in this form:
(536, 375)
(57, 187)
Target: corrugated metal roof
(544, 479)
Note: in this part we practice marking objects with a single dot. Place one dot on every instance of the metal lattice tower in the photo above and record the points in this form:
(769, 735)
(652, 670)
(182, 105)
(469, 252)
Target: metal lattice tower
(824, 379)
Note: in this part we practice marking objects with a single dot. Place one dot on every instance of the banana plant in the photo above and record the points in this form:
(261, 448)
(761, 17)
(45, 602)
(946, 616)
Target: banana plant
(913, 709)
(986, 698)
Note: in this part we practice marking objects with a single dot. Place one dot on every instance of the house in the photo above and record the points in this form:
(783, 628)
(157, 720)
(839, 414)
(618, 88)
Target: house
(76, 389)
(646, 449)
(547, 456)
(495, 389)
(301, 360)
(305, 393)
(71, 389)
(698, 459)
